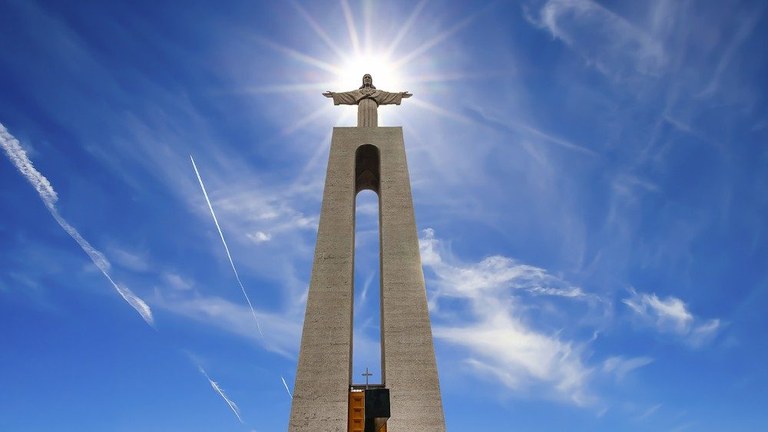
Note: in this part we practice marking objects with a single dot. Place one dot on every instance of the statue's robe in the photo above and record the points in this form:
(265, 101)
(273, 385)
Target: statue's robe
(367, 101)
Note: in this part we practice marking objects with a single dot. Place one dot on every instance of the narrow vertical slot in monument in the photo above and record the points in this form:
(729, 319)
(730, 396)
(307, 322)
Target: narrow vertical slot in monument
(408, 398)
(366, 325)
(365, 391)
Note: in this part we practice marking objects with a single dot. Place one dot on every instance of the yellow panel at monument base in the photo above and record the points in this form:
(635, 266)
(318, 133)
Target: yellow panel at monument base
(356, 411)
(356, 421)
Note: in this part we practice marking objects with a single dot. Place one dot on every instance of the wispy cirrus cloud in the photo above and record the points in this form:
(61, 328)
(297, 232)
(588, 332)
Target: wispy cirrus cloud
(744, 30)
(131, 260)
(520, 357)
(499, 340)
(176, 281)
(621, 366)
(267, 216)
(281, 332)
(492, 275)
(232, 405)
(671, 315)
(604, 39)
(48, 195)
(649, 412)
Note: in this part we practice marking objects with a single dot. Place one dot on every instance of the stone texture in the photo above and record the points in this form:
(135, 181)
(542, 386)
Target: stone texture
(408, 360)
(323, 373)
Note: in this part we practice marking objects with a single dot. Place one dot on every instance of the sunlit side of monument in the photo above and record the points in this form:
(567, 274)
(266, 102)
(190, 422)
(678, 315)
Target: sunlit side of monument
(408, 399)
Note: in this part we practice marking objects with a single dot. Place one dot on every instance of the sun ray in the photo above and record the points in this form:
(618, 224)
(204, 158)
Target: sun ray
(361, 59)
(346, 117)
(307, 119)
(367, 27)
(351, 26)
(287, 88)
(380, 67)
(318, 30)
(314, 160)
(553, 139)
(457, 76)
(405, 28)
(442, 111)
(304, 58)
(438, 39)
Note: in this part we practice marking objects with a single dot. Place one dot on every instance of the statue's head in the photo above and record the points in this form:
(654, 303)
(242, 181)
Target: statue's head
(367, 81)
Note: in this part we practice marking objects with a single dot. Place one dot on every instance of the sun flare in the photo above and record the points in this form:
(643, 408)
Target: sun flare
(385, 75)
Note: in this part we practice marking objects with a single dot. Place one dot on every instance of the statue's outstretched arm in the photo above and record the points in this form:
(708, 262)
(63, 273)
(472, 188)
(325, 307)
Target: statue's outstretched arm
(343, 98)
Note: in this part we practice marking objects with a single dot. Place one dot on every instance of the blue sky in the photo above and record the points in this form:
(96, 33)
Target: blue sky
(589, 181)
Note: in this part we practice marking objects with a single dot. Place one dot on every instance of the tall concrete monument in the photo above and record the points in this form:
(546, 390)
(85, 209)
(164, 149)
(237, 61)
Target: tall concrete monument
(373, 158)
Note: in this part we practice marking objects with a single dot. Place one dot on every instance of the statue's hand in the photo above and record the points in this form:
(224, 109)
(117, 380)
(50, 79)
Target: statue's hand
(328, 94)
(406, 94)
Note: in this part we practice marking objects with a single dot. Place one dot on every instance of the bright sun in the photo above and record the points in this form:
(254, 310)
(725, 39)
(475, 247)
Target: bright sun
(343, 71)
(385, 76)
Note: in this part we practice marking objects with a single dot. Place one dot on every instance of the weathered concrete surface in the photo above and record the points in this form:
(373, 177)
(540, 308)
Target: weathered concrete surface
(408, 354)
(322, 377)
(408, 359)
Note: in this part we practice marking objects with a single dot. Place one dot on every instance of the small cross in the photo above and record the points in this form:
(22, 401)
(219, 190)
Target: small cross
(366, 375)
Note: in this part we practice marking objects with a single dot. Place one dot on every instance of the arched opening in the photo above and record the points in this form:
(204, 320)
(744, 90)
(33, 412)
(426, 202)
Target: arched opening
(367, 168)
(366, 324)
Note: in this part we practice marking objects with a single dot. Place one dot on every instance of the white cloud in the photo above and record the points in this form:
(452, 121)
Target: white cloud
(621, 366)
(704, 332)
(498, 340)
(268, 214)
(259, 237)
(280, 333)
(744, 30)
(493, 274)
(19, 158)
(671, 315)
(216, 387)
(176, 281)
(134, 261)
(604, 39)
(520, 357)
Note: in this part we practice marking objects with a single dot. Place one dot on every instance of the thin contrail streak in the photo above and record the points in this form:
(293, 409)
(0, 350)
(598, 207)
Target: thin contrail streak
(286, 387)
(226, 248)
(220, 391)
(48, 195)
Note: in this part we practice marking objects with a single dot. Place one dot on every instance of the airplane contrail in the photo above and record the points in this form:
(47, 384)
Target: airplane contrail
(219, 390)
(19, 158)
(234, 270)
(286, 387)
(48, 195)
(226, 248)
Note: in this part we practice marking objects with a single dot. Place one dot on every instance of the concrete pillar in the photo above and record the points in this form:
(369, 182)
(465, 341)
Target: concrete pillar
(408, 358)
